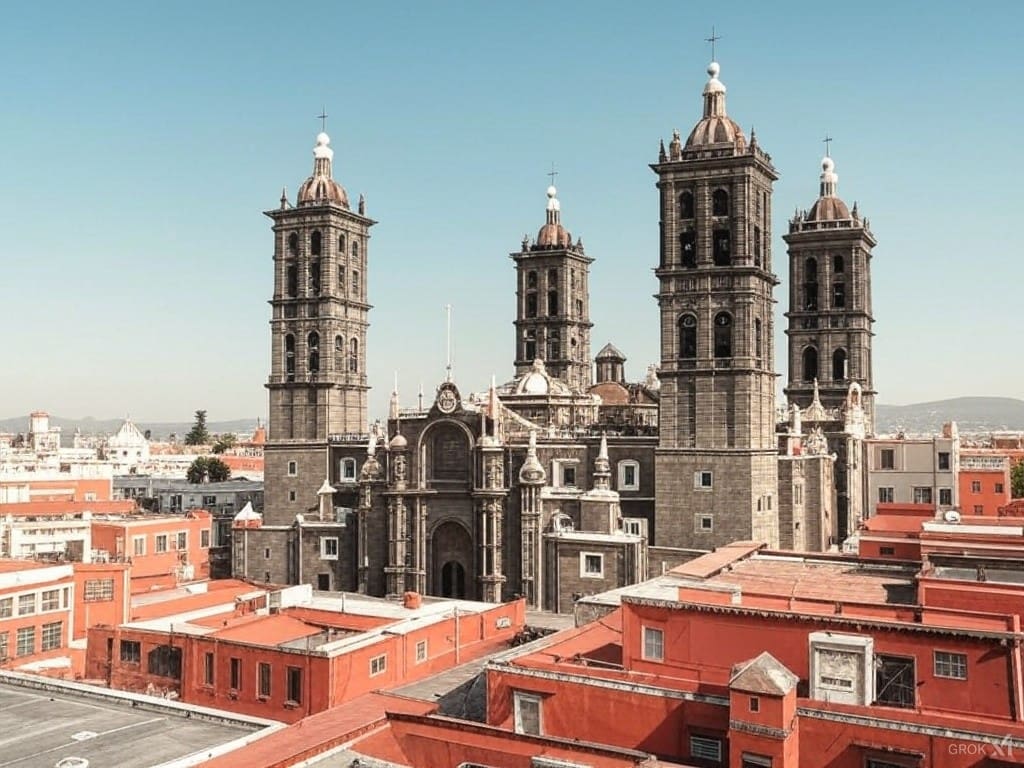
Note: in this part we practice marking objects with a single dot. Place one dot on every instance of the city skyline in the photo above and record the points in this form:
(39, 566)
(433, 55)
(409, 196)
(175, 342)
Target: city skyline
(148, 293)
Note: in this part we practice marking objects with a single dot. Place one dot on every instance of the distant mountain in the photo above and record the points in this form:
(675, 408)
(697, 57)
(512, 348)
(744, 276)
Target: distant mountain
(971, 414)
(159, 430)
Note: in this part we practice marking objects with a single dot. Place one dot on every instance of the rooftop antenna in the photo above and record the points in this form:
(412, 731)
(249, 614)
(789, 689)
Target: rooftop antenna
(322, 117)
(713, 39)
(448, 367)
(826, 141)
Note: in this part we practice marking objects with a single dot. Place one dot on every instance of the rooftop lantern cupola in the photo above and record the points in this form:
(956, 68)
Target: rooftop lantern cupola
(828, 206)
(321, 188)
(553, 234)
(715, 127)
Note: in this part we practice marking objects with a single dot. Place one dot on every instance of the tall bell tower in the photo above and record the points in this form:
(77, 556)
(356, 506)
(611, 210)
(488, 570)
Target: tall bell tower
(716, 462)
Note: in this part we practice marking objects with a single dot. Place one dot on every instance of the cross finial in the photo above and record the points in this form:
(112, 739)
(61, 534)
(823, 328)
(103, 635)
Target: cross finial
(322, 117)
(826, 141)
(552, 173)
(713, 39)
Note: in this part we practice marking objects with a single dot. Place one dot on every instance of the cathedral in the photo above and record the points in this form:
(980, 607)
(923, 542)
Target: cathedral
(561, 483)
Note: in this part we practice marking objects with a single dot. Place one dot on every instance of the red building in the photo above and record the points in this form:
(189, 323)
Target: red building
(984, 482)
(36, 603)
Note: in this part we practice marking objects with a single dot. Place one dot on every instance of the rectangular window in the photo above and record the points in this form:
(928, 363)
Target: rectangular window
(236, 674)
(26, 641)
(378, 664)
(53, 635)
(951, 665)
(291, 496)
(6, 607)
(706, 748)
(922, 495)
(526, 707)
(138, 545)
(705, 523)
(164, 661)
(895, 681)
(702, 480)
(263, 671)
(887, 550)
(999, 487)
(161, 543)
(204, 538)
(328, 548)
(99, 590)
(591, 565)
(51, 600)
(654, 644)
(182, 540)
(975, 486)
(749, 760)
(887, 458)
(979, 509)
(348, 469)
(4, 647)
(208, 667)
(629, 476)
(886, 495)
(26, 604)
(293, 468)
(946, 497)
(569, 476)
(421, 651)
(131, 651)
(754, 704)
(944, 464)
(295, 684)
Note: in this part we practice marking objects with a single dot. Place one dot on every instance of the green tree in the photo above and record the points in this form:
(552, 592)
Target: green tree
(208, 469)
(222, 443)
(199, 434)
(1017, 480)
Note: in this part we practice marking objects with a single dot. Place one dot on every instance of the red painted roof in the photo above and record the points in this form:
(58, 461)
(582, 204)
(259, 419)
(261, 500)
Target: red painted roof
(10, 565)
(713, 562)
(44, 508)
(265, 630)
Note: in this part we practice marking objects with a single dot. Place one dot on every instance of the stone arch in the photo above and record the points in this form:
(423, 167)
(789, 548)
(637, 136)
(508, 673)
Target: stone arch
(446, 453)
(451, 560)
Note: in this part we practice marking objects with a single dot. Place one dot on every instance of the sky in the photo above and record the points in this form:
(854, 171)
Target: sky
(141, 142)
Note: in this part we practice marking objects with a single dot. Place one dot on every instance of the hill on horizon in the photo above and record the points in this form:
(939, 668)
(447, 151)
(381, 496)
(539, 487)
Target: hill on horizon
(159, 430)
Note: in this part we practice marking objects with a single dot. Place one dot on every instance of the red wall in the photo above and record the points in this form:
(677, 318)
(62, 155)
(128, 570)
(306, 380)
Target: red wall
(157, 569)
(988, 499)
(101, 611)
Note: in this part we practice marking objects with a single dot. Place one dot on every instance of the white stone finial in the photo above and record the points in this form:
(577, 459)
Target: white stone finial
(713, 70)
(322, 150)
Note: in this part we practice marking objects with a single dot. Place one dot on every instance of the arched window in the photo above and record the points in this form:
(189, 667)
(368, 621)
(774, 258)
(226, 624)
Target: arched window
(721, 246)
(688, 247)
(837, 264)
(687, 337)
(719, 203)
(353, 355)
(341, 278)
(810, 285)
(341, 246)
(313, 342)
(289, 357)
(686, 205)
(839, 295)
(757, 246)
(314, 278)
(579, 307)
(292, 280)
(530, 346)
(757, 341)
(811, 270)
(355, 283)
(531, 305)
(552, 277)
(552, 302)
(339, 353)
(810, 364)
(315, 243)
(723, 335)
(355, 252)
(293, 244)
(531, 279)
(554, 346)
(839, 365)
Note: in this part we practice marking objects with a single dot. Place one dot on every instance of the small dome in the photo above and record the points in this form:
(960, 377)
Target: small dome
(554, 236)
(828, 209)
(610, 352)
(398, 441)
(611, 393)
(715, 130)
(320, 189)
(534, 384)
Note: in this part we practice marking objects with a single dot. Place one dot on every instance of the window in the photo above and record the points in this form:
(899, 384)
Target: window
(314, 278)
(629, 475)
(98, 590)
(757, 246)
(944, 460)
(531, 305)
(554, 345)
(313, 346)
(204, 538)
(895, 682)
(531, 279)
(886, 495)
(839, 296)
(569, 475)
(706, 748)
(289, 357)
(591, 565)
(702, 480)
(552, 302)
(707, 522)
(130, 651)
(887, 458)
(754, 704)
(355, 283)
(293, 469)
(138, 545)
(236, 674)
(810, 286)
(315, 243)
(688, 247)
(719, 203)
(164, 661)
(723, 335)
(887, 550)
(26, 604)
(291, 496)
(839, 365)
(348, 469)
(263, 675)
(4, 646)
(328, 548)
(266, 553)
(526, 707)
(951, 665)
(182, 542)
(378, 665)
(26, 641)
(293, 244)
(654, 644)
(687, 337)
(353, 355)
(979, 509)
(757, 340)
(686, 206)
(946, 497)
(51, 600)
(975, 486)
(837, 264)
(295, 685)
(634, 526)
(52, 636)
(421, 651)
(720, 241)
(749, 760)
(6, 607)
(999, 488)
(810, 364)
(208, 667)
(161, 542)
(292, 280)
(922, 495)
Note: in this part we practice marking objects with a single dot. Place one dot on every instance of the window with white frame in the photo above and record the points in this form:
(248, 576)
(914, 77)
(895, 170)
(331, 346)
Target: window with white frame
(204, 538)
(161, 543)
(704, 523)
(703, 480)
(378, 665)
(922, 495)
(654, 644)
(563, 472)
(182, 541)
(138, 545)
(629, 475)
(6, 607)
(946, 497)
(421, 651)
(52, 636)
(293, 468)
(347, 470)
(951, 665)
(591, 565)
(51, 600)
(26, 641)
(328, 547)
(634, 526)
(4, 646)
(706, 748)
(527, 710)
(886, 494)
(26, 604)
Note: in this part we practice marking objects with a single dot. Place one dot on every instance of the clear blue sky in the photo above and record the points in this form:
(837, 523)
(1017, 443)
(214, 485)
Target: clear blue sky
(140, 142)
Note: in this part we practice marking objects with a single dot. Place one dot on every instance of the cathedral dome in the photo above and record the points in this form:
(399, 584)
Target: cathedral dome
(828, 206)
(539, 382)
(716, 127)
(321, 187)
(553, 234)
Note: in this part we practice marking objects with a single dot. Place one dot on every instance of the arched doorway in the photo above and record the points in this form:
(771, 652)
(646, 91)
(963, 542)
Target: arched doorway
(452, 561)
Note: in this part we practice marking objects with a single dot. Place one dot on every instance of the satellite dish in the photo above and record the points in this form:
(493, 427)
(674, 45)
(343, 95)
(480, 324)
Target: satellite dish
(952, 516)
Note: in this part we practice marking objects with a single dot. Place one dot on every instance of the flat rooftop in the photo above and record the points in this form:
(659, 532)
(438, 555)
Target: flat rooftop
(41, 726)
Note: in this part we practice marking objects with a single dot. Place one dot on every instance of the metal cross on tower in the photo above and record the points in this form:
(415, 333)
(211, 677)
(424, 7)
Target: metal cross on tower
(713, 39)
(322, 117)
(552, 173)
(827, 141)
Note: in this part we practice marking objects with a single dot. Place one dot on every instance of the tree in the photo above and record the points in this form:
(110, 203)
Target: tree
(199, 434)
(224, 442)
(1017, 480)
(207, 469)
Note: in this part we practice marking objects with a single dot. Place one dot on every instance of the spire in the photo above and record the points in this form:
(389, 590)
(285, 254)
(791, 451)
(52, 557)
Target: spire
(829, 178)
(602, 467)
(714, 93)
(532, 471)
(393, 407)
(323, 156)
(284, 198)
